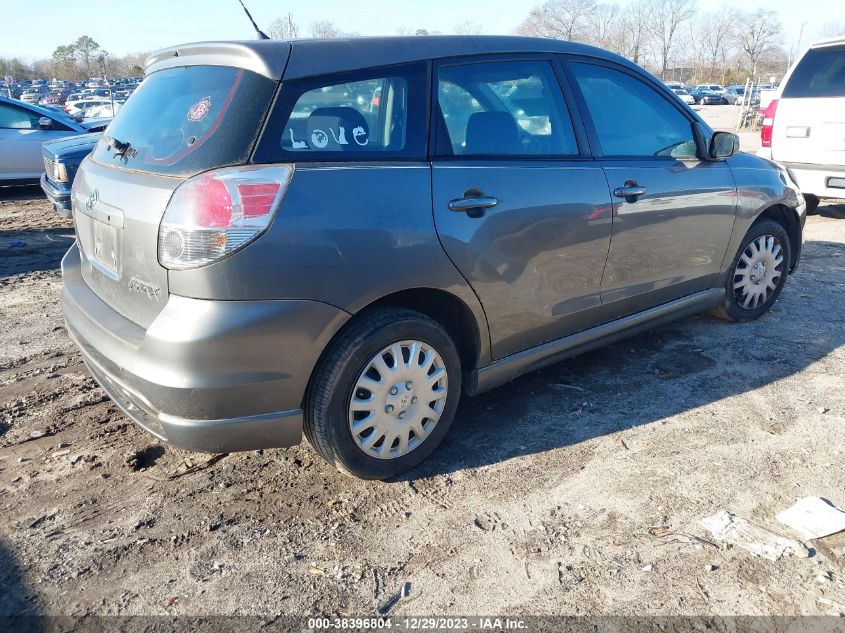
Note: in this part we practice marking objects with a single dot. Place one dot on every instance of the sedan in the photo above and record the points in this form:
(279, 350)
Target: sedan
(684, 96)
(23, 129)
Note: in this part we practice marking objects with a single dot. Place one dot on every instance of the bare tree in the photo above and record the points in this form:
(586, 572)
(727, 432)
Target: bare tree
(633, 31)
(560, 19)
(284, 28)
(759, 33)
(603, 26)
(714, 33)
(325, 29)
(665, 17)
(468, 27)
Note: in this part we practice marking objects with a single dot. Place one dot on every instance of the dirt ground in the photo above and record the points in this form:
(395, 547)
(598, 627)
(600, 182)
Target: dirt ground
(575, 490)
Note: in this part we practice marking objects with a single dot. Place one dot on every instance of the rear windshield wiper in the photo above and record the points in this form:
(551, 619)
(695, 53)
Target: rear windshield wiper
(123, 150)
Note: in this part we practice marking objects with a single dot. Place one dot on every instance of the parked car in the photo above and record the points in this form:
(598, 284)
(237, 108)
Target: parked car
(101, 110)
(62, 158)
(229, 291)
(23, 129)
(709, 95)
(684, 96)
(734, 94)
(33, 95)
(77, 108)
(804, 126)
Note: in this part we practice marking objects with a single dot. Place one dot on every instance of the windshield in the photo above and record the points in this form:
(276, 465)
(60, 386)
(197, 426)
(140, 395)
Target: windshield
(181, 121)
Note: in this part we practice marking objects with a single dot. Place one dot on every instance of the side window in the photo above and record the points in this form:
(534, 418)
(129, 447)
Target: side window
(630, 117)
(357, 116)
(16, 118)
(373, 114)
(509, 108)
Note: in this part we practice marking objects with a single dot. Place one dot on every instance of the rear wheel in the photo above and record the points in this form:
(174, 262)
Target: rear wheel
(384, 396)
(758, 274)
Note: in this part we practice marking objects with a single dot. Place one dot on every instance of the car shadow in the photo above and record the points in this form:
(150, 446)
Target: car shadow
(653, 376)
(21, 193)
(833, 211)
(19, 602)
(33, 250)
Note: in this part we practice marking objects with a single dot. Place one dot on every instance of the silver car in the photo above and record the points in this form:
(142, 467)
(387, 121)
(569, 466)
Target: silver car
(23, 130)
(342, 236)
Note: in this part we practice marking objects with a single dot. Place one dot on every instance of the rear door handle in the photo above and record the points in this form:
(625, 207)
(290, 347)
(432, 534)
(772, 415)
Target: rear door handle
(473, 203)
(631, 191)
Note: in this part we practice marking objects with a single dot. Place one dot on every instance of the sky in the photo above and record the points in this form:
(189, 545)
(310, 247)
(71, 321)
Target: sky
(127, 26)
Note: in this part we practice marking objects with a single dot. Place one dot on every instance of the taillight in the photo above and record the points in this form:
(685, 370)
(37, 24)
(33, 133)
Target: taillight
(216, 213)
(768, 124)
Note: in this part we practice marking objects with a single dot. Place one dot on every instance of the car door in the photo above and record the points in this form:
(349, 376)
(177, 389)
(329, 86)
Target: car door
(20, 142)
(520, 207)
(673, 213)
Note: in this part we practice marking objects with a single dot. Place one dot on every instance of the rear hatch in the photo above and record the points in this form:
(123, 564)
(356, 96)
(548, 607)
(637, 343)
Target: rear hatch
(809, 125)
(181, 121)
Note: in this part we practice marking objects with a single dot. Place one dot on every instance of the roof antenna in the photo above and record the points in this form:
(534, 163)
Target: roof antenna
(261, 34)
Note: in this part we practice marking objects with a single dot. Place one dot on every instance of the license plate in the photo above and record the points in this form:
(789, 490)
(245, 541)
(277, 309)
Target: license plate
(106, 254)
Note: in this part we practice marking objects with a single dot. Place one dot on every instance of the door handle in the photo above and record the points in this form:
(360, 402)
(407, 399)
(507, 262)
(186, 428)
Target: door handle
(631, 191)
(473, 203)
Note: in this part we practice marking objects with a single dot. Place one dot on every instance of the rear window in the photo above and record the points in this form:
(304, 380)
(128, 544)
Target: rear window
(181, 121)
(820, 73)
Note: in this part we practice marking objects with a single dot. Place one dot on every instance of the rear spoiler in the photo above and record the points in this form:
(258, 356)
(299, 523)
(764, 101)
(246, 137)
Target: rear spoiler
(265, 57)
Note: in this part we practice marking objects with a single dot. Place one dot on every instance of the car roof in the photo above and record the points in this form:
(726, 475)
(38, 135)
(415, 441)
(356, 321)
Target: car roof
(311, 57)
(831, 41)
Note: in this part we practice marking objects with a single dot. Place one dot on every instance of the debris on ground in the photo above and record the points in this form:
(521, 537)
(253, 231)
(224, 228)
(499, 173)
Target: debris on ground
(392, 601)
(813, 517)
(735, 530)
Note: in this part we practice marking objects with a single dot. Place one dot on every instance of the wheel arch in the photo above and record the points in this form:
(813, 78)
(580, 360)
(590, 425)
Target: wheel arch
(788, 219)
(470, 336)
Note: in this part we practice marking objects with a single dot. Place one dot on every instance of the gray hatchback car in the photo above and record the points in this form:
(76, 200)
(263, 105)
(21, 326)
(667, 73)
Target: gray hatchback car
(339, 237)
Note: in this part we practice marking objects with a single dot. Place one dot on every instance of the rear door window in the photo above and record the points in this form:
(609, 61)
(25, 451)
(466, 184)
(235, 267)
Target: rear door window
(820, 73)
(368, 115)
(181, 121)
(503, 108)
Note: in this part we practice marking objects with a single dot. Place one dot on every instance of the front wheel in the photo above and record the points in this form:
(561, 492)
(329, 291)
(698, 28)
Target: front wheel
(758, 273)
(384, 395)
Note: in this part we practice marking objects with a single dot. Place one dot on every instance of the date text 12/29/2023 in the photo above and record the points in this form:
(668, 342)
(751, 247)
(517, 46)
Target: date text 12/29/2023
(422, 623)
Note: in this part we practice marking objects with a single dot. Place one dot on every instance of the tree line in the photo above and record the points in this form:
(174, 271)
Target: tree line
(81, 59)
(673, 38)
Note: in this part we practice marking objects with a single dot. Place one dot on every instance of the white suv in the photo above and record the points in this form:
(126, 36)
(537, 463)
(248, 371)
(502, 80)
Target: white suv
(804, 127)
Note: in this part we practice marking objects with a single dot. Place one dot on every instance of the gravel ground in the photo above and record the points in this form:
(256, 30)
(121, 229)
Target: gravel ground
(575, 490)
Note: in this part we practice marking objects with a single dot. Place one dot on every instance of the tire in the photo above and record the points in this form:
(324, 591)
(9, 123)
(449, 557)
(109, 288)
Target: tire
(352, 364)
(812, 203)
(766, 242)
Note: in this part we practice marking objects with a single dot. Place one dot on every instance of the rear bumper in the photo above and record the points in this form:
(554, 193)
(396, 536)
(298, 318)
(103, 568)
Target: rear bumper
(823, 181)
(58, 196)
(209, 376)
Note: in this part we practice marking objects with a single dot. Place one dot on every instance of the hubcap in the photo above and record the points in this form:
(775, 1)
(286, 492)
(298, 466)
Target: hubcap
(758, 272)
(398, 399)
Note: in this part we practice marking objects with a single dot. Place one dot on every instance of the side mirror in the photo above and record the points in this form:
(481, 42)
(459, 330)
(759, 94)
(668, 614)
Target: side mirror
(45, 123)
(723, 145)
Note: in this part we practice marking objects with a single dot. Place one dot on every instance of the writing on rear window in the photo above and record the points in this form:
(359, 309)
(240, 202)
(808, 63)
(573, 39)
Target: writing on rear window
(360, 116)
